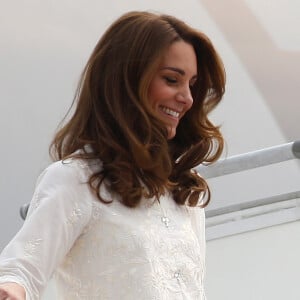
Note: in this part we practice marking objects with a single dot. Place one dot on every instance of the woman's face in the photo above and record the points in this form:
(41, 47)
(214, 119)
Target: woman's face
(169, 91)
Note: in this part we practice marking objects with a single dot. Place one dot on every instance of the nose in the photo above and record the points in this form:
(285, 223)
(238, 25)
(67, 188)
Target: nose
(185, 96)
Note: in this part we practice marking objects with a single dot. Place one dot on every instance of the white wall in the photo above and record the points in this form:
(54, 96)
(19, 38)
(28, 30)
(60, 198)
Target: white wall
(43, 47)
(258, 265)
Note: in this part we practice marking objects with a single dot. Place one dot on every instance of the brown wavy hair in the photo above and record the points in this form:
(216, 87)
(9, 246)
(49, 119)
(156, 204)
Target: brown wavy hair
(112, 114)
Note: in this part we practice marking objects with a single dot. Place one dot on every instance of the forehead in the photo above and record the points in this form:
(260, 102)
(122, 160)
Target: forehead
(180, 55)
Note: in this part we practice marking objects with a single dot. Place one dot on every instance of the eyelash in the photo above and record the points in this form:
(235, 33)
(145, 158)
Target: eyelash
(170, 80)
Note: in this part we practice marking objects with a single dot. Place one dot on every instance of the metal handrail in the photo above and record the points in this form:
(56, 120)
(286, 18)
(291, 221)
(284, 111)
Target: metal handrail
(236, 164)
(251, 204)
(24, 210)
(251, 160)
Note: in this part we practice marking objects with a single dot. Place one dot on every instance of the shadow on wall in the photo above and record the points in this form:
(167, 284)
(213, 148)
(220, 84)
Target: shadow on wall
(275, 72)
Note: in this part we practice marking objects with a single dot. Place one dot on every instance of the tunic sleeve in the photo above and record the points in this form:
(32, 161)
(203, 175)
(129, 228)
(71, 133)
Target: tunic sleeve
(58, 213)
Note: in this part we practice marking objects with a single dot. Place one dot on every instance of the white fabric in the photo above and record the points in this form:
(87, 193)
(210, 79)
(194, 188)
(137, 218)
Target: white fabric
(155, 251)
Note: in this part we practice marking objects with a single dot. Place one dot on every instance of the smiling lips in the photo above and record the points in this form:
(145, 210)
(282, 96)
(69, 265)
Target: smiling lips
(170, 112)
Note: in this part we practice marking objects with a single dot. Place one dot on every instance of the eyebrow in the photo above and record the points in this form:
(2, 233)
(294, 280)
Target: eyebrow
(180, 71)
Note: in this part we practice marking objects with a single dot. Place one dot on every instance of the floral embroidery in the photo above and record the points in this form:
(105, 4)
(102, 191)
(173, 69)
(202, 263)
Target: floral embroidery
(36, 200)
(30, 247)
(122, 247)
(75, 215)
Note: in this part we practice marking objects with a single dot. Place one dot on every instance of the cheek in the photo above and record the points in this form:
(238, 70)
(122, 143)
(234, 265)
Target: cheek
(158, 93)
(153, 94)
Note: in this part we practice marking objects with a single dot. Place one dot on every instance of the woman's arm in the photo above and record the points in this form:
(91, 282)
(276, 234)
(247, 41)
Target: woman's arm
(12, 291)
(59, 211)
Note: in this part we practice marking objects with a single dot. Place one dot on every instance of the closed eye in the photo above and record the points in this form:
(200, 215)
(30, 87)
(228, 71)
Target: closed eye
(170, 80)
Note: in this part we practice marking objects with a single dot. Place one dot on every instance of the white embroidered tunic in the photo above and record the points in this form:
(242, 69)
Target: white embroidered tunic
(93, 250)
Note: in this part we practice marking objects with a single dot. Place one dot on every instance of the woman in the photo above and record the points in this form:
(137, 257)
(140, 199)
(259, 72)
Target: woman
(120, 214)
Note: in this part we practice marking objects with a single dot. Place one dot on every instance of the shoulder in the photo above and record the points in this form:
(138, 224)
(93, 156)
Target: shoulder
(64, 184)
(68, 171)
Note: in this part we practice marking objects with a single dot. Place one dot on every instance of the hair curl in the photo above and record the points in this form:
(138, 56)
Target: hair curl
(112, 114)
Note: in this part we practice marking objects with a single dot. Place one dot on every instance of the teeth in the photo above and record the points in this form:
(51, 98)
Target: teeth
(170, 112)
